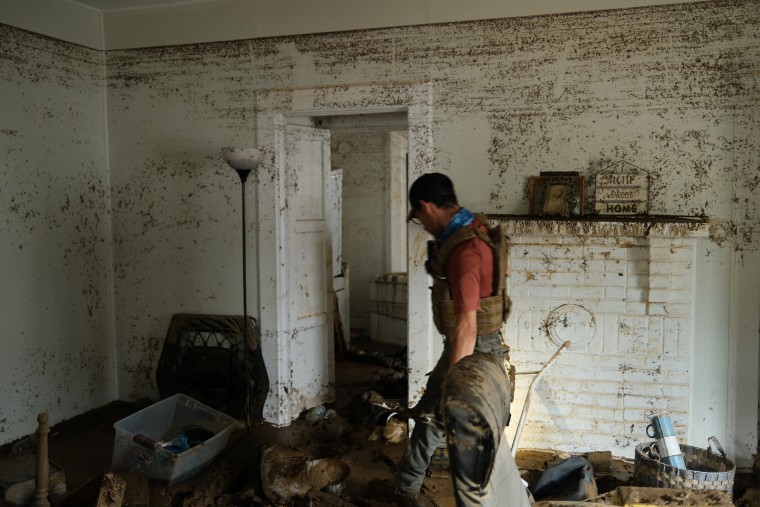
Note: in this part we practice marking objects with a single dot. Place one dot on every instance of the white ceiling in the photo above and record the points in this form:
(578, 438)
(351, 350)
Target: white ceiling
(112, 5)
(128, 24)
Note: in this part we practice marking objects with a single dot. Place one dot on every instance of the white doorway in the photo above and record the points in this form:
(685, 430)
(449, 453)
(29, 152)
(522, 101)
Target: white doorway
(277, 109)
(370, 151)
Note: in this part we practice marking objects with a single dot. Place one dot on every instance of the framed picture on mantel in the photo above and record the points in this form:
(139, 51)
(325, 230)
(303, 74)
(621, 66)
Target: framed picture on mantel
(556, 194)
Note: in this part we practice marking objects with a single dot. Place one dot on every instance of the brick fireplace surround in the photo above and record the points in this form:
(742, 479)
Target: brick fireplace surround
(622, 291)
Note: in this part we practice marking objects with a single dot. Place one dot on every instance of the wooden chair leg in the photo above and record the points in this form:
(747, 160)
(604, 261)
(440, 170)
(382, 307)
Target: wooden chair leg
(42, 469)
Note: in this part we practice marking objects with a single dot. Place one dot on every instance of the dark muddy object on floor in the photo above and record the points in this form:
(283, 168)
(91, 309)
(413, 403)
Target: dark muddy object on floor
(363, 350)
(385, 491)
(106, 489)
(288, 474)
(667, 496)
(323, 499)
(571, 480)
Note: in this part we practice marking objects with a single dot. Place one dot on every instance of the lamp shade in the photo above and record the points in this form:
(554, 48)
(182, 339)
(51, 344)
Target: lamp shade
(242, 159)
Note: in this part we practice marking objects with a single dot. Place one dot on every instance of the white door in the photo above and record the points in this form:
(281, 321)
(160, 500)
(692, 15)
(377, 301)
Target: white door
(309, 275)
(335, 218)
(273, 109)
(341, 321)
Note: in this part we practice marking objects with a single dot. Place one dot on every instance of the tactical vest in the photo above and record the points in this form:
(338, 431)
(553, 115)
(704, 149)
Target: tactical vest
(494, 309)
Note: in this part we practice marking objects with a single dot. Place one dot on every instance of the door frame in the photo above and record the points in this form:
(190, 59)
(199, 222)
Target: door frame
(274, 109)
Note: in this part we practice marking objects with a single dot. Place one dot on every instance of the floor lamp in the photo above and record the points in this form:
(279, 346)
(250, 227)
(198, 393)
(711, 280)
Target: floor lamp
(243, 161)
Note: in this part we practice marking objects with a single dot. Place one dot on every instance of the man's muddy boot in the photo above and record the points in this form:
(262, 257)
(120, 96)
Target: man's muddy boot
(386, 491)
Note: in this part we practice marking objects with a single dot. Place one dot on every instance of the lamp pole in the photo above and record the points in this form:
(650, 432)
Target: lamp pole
(243, 161)
(243, 173)
(243, 177)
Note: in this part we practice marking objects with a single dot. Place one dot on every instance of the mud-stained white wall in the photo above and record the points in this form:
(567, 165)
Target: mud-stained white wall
(63, 20)
(670, 89)
(56, 317)
(176, 204)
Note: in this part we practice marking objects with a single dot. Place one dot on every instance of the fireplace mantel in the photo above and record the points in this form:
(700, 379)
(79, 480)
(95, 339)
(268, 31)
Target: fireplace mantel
(622, 290)
(644, 226)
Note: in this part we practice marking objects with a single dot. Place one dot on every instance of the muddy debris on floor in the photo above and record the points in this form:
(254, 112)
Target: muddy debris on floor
(327, 457)
(666, 496)
(288, 473)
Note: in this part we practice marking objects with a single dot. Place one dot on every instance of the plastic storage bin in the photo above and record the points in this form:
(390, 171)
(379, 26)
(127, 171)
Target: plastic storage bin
(139, 437)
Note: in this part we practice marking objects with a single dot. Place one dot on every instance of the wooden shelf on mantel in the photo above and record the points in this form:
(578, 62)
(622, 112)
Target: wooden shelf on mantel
(638, 226)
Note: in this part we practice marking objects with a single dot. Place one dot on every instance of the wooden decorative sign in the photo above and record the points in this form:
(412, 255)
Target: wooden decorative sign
(622, 194)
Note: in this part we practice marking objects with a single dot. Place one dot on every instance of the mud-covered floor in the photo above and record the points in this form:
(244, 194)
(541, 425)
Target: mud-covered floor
(83, 445)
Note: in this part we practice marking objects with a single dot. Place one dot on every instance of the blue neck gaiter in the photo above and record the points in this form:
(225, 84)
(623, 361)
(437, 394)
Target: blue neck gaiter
(462, 218)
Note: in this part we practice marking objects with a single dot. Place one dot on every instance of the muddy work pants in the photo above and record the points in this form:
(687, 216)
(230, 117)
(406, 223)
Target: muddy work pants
(425, 439)
(475, 404)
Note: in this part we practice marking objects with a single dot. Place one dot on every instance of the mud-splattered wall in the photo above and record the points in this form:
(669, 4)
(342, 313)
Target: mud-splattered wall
(176, 203)
(56, 316)
(670, 89)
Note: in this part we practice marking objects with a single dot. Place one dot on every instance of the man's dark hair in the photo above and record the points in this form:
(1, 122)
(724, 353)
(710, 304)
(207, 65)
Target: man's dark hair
(433, 187)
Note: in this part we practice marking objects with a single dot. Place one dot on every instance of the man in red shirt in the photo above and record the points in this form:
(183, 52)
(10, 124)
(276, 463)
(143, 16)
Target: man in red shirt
(468, 311)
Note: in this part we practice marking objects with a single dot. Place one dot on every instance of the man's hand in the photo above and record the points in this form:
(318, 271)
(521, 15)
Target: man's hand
(464, 336)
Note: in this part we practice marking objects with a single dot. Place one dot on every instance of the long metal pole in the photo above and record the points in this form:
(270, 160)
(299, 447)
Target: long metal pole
(526, 405)
(245, 277)
(247, 406)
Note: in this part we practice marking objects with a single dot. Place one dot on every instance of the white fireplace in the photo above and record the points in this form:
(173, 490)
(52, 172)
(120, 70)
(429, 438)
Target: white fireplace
(622, 292)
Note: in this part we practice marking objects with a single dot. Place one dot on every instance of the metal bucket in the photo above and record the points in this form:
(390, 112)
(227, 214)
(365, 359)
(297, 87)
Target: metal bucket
(705, 470)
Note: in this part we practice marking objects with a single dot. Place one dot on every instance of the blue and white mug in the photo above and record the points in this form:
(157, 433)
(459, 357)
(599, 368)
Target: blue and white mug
(661, 429)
